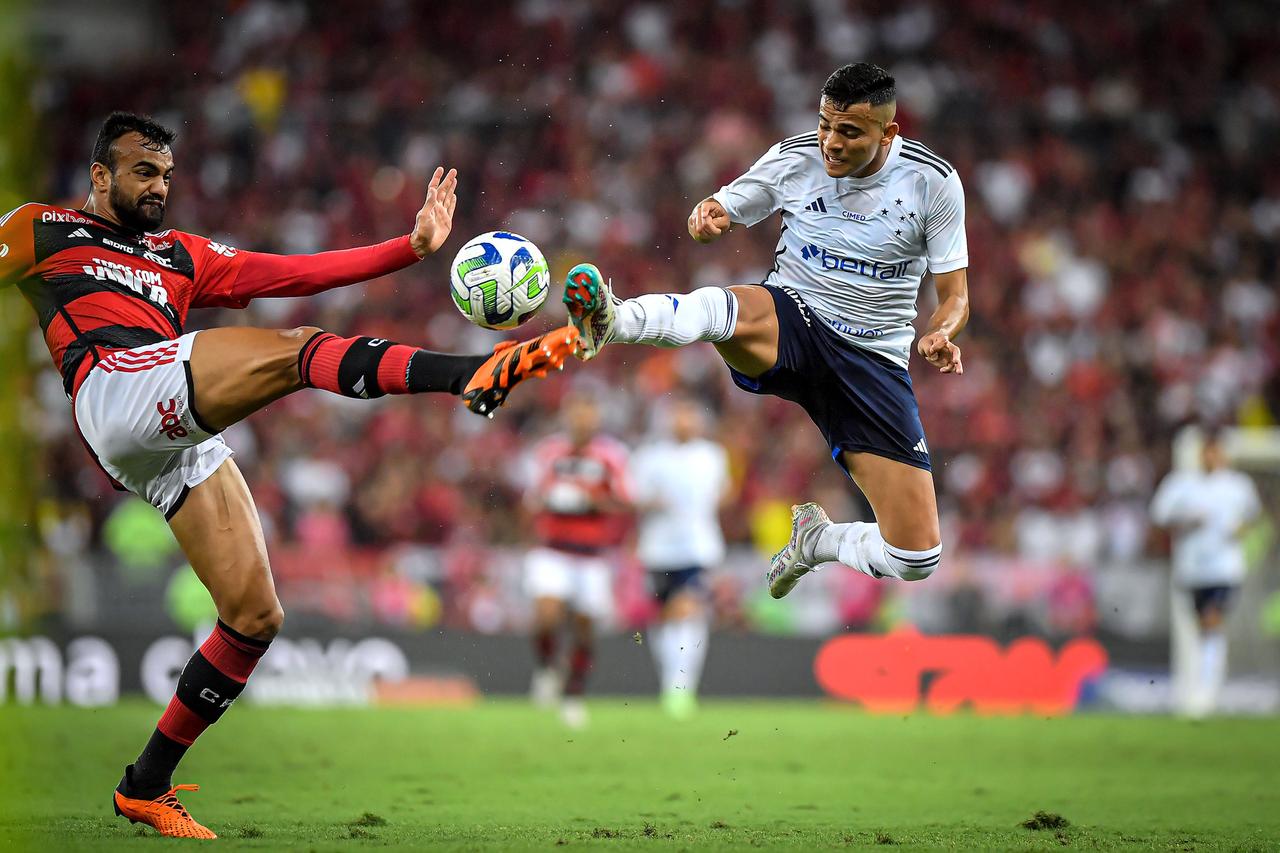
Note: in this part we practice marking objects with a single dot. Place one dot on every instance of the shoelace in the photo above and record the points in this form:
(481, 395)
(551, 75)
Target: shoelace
(170, 800)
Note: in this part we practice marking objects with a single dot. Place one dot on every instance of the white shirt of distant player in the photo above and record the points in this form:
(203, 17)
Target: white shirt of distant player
(687, 480)
(1214, 505)
(855, 249)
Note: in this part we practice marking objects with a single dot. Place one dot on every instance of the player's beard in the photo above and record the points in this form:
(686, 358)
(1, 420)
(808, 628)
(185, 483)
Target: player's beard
(133, 213)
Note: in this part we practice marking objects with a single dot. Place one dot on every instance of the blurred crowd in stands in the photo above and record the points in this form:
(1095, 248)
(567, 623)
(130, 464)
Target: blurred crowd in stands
(1123, 214)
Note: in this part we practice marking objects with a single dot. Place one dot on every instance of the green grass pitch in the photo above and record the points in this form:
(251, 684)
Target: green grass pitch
(770, 775)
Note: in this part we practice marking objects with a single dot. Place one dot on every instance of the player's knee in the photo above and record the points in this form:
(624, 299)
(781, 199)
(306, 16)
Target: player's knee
(300, 335)
(914, 564)
(255, 617)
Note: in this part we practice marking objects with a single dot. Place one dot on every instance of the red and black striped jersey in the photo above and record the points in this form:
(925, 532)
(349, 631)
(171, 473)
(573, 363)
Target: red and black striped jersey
(572, 490)
(97, 287)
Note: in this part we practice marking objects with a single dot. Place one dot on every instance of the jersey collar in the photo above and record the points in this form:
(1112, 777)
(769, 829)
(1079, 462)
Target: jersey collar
(113, 226)
(844, 185)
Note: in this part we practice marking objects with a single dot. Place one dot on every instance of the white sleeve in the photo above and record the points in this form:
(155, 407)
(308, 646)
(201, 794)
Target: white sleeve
(1164, 506)
(1252, 503)
(946, 245)
(756, 194)
(722, 466)
(641, 476)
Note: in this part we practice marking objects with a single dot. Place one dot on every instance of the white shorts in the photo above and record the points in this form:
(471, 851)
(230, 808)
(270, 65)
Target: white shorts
(584, 583)
(134, 411)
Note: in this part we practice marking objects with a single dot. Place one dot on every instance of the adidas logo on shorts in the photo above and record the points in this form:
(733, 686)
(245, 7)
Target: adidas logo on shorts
(817, 205)
(921, 447)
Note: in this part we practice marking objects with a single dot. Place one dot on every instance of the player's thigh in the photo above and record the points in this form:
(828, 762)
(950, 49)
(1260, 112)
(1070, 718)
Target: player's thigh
(548, 582)
(548, 611)
(902, 498)
(592, 589)
(753, 349)
(219, 531)
(237, 371)
(684, 604)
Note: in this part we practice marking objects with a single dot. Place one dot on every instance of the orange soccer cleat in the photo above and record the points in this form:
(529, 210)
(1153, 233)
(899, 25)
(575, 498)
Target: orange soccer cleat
(164, 814)
(513, 362)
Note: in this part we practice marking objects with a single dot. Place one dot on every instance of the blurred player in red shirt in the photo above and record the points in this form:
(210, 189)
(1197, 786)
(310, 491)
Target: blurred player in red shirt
(579, 495)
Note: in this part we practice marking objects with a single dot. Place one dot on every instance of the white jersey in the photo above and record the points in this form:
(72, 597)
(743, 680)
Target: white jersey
(686, 481)
(855, 249)
(1208, 510)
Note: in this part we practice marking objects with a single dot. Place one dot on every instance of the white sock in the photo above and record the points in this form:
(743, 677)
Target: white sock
(860, 546)
(677, 319)
(1213, 667)
(669, 655)
(658, 635)
(689, 650)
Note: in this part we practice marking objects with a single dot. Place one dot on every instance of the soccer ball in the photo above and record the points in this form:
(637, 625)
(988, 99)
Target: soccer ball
(498, 280)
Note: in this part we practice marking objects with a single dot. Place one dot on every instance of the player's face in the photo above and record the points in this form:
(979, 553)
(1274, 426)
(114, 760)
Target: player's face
(581, 418)
(1213, 457)
(686, 422)
(140, 182)
(853, 137)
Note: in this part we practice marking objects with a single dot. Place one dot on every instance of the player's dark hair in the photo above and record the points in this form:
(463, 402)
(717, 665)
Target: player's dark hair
(860, 83)
(154, 135)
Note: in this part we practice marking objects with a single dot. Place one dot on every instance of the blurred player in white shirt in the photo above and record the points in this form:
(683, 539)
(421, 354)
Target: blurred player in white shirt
(579, 493)
(679, 485)
(1207, 510)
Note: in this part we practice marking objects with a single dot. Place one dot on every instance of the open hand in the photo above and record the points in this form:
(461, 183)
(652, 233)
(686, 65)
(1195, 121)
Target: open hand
(708, 221)
(941, 353)
(435, 220)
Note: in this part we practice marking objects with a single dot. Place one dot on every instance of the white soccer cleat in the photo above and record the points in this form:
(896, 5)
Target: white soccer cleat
(593, 309)
(790, 564)
(573, 711)
(544, 691)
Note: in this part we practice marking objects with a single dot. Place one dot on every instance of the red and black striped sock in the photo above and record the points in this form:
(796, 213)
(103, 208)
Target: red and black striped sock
(580, 660)
(544, 647)
(371, 367)
(210, 682)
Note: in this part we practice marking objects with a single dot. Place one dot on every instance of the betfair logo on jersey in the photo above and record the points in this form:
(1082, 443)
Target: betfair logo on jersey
(142, 282)
(834, 263)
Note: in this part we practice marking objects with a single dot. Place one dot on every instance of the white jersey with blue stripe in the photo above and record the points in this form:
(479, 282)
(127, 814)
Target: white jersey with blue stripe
(855, 249)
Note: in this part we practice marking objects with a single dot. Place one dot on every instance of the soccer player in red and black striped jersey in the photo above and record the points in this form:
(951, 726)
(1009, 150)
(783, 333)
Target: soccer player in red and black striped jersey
(112, 292)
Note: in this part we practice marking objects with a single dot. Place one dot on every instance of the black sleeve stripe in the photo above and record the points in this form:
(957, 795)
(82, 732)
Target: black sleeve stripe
(941, 171)
(796, 146)
(921, 148)
(917, 148)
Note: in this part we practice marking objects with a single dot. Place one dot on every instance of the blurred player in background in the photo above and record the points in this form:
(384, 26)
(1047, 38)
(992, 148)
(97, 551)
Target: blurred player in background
(865, 214)
(680, 483)
(578, 496)
(1207, 510)
(112, 293)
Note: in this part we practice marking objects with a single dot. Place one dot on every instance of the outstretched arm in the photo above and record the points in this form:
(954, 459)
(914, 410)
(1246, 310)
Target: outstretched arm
(258, 275)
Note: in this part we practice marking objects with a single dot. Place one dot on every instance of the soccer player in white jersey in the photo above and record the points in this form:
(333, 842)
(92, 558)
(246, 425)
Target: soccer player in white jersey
(865, 214)
(679, 483)
(1207, 510)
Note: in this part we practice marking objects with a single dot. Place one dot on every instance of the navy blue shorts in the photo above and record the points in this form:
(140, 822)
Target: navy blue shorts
(1211, 597)
(664, 584)
(861, 401)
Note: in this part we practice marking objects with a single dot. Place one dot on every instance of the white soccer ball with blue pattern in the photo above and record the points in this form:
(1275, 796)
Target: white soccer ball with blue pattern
(499, 279)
